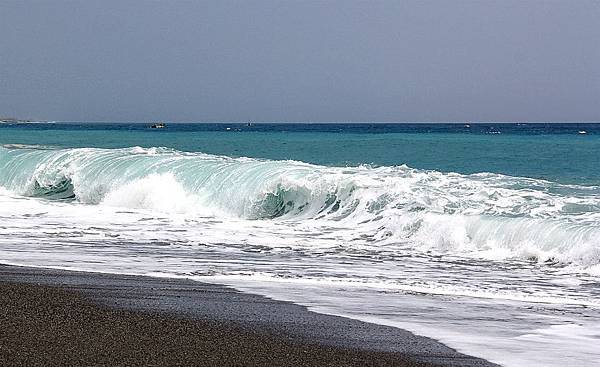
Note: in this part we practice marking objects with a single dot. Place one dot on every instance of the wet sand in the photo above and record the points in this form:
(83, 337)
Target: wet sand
(54, 317)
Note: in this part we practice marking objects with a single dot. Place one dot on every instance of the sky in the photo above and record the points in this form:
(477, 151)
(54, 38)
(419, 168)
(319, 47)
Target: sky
(305, 60)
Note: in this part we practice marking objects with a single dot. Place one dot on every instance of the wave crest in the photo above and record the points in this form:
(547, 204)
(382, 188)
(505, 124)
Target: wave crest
(486, 214)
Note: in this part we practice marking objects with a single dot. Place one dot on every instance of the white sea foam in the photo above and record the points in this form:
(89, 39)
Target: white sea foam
(149, 193)
(485, 215)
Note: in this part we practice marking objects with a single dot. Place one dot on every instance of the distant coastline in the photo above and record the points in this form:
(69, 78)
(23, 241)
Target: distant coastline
(14, 120)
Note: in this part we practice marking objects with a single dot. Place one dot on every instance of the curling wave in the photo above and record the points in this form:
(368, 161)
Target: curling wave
(488, 215)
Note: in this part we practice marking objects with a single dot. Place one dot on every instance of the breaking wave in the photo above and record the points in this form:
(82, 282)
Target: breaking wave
(486, 215)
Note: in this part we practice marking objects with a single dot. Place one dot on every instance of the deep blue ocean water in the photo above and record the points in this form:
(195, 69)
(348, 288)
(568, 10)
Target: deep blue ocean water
(552, 151)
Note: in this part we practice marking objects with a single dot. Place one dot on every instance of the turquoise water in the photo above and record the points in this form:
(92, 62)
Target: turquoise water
(484, 236)
(555, 152)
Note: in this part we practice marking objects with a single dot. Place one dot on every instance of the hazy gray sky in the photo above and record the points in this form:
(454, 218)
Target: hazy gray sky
(281, 60)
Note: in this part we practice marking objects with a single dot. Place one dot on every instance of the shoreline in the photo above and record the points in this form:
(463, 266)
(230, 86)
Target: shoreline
(164, 321)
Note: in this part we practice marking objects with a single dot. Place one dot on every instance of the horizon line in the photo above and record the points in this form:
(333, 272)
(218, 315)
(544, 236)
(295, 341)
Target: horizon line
(301, 122)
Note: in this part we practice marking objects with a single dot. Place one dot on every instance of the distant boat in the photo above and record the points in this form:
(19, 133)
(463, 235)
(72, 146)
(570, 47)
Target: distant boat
(158, 125)
(582, 132)
(467, 125)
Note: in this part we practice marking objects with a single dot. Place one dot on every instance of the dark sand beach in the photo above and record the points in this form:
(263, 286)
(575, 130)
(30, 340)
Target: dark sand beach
(54, 317)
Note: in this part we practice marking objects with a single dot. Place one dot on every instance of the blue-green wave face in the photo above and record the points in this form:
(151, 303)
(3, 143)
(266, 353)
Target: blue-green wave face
(526, 217)
(157, 178)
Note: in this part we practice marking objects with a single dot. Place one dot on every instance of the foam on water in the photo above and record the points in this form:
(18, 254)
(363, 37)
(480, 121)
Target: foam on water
(436, 253)
(484, 215)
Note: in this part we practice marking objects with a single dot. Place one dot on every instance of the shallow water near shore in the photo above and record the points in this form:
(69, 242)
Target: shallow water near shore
(486, 237)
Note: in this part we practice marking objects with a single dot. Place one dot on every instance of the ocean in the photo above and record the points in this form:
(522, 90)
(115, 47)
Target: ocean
(483, 236)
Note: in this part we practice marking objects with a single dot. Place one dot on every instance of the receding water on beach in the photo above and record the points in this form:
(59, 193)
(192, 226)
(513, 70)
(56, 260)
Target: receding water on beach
(486, 237)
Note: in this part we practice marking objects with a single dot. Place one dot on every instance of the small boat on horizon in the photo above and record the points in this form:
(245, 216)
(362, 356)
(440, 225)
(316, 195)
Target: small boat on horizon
(158, 125)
